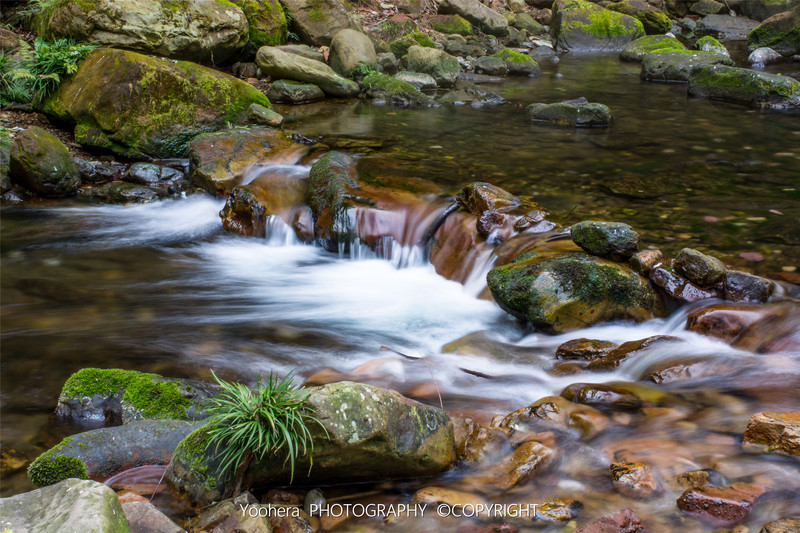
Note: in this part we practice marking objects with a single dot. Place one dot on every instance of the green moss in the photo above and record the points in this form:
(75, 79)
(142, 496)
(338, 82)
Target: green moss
(395, 89)
(512, 56)
(400, 47)
(314, 11)
(654, 44)
(765, 35)
(454, 25)
(145, 392)
(194, 448)
(742, 85)
(602, 23)
(52, 467)
(708, 41)
(267, 21)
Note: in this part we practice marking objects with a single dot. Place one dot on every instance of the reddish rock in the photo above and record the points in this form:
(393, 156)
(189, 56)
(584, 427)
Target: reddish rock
(624, 521)
(555, 410)
(721, 506)
(774, 431)
(645, 260)
(634, 480)
(627, 350)
(586, 349)
(723, 321)
(523, 464)
(678, 288)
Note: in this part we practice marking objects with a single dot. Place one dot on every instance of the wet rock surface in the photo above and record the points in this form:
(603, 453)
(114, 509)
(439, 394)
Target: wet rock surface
(721, 506)
(779, 432)
(41, 163)
(611, 240)
(578, 112)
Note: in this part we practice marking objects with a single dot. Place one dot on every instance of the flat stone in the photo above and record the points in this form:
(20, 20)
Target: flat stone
(602, 396)
(721, 506)
(727, 28)
(586, 349)
(578, 112)
(784, 525)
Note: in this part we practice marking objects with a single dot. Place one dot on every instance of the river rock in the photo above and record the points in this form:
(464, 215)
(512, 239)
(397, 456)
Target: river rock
(41, 163)
(72, 505)
(134, 104)
(745, 287)
(628, 350)
(372, 434)
(559, 412)
(144, 517)
(584, 349)
(644, 261)
(153, 175)
(423, 82)
(583, 26)
(218, 160)
(525, 462)
(744, 86)
(765, 9)
(624, 521)
(578, 112)
(465, 49)
(677, 66)
(451, 25)
(388, 63)
(453, 498)
(99, 171)
(120, 192)
(720, 506)
(443, 67)
(678, 288)
(490, 65)
(302, 50)
(724, 321)
(9, 41)
(350, 50)
(654, 20)
(317, 21)
(279, 64)
(333, 182)
(650, 44)
(775, 331)
(707, 7)
(519, 64)
(294, 92)
(726, 27)
(774, 431)
(784, 525)
(712, 46)
(488, 20)
(763, 56)
(524, 21)
(602, 396)
(634, 480)
(571, 291)
(395, 91)
(227, 517)
(195, 30)
(115, 396)
(699, 268)
(468, 93)
(781, 32)
(610, 240)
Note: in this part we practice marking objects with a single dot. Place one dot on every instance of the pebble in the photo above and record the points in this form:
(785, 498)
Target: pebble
(752, 256)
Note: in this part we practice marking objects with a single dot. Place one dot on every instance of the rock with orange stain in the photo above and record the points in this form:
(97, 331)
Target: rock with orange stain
(585, 349)
(774, 431)
(557, 411)
(634, 480)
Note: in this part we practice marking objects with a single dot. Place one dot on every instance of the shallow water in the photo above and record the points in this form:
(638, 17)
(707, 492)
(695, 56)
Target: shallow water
(162, 288)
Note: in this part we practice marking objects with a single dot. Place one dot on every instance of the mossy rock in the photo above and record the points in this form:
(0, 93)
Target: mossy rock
(711, 45)
(678, 66)
(294, 92)
(571, 291)
(780, 32)
(280, 64)
(267, 24)
(394, 91)
(317, 21)
(39, 162)
(611, 240)
(523, 21)
(518, 63)
(116, 396)
(442, 66)
(452, 25)
(744, 86)
(136, 105)
(578, 112)
(583, 26)
(120, 192)
(488, 20)
(399, 47)
(654, 20)
(650, 44)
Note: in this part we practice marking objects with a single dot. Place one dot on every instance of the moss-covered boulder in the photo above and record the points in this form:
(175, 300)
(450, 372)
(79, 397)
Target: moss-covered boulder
(654, 20)
(764, 9)
(519, 64)
(442, 66)
(650, 44)
(524, 21)
(102, 453)
(41, 163)
(218, 160)
(744, 86)
(136, 105)
(583, 26)
(578, 112)
(365, 433)
(394, 91)
(711, 45)
(611, 240)
(266, 21)
(781, 32)
(279, 64)
(333, 186)
(351, 50)
(115, 396)
(72, 505)
(399, 47)
(317, 21)
(571, 291)
(194, 30)
(678, 66)
(451, 24)
(294, 92)
(488, 20)
(423, 82)
(491, 66)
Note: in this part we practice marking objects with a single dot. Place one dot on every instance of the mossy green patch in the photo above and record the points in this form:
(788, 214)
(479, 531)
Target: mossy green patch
(400, 47)
(599, 22)
(454, 24)
(398, 91)
(512, 56)
(744, 86)
(651, 44)
(314, 11)
(193, 449)
(266, 20)
(149, 393)
(52, 467)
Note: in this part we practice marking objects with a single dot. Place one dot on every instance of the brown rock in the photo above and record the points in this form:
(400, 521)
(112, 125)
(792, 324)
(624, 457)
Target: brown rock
(778, 330)
(526, 462)
(774, 431)
(692, 479)
(784, 525)
(634, 480)
(671, 371)
(602, 396)
(626, 351)
(558, 510)
(555, 410)
(454, 498)
(644, 260)
(143, 517)
(587, 349)
(699, 268)
(723, 321)
(624, 521)
(678, 288)
(744, 287)
(720, 506)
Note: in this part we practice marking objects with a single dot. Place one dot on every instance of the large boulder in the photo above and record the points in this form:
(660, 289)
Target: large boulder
(654, 20)
(218, 160)
(443, 67)
(395, 91)
(764, 9)
(488, 20)
(678, 66)
(365, 433)
(781, 32)
(294, 92)
(350, 50)
(42, 164)
(138, 105)
(104, 452)
(571, 291)
(583, 26)
(317, 21)
(650, 44)
(744, 86)
(279, 64)
(195, 30)
(267, 24)
(578, 112)
(72, 505)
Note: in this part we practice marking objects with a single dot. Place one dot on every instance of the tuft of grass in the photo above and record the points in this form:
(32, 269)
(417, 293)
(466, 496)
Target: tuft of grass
(250, 424)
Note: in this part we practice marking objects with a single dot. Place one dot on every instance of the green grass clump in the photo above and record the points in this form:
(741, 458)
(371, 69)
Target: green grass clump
(52, 467)
(512, 56)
